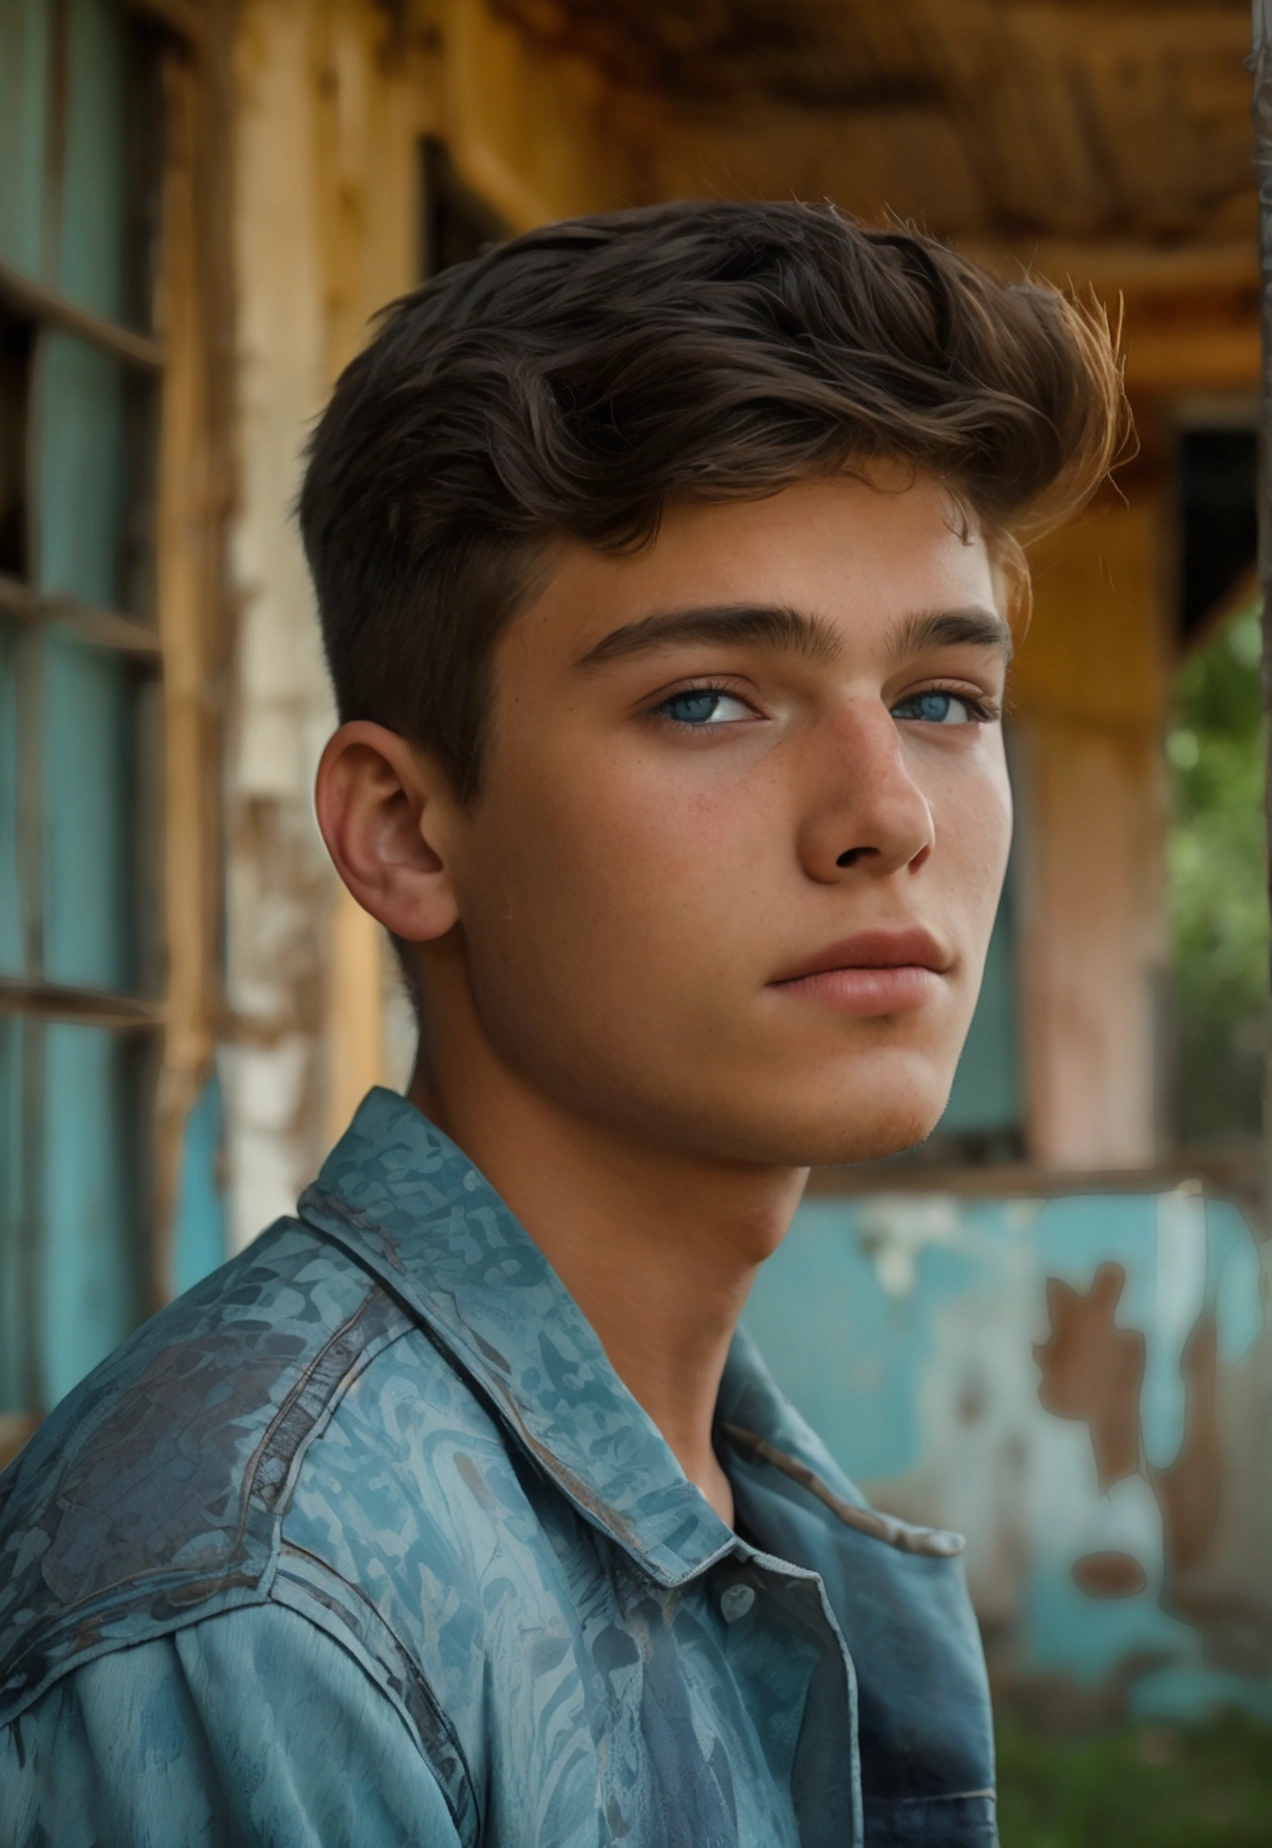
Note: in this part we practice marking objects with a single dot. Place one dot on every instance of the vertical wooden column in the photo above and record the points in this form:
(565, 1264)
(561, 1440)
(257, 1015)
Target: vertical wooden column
(332, 99)
(368, 95)
(1089, 697)
(192, 493)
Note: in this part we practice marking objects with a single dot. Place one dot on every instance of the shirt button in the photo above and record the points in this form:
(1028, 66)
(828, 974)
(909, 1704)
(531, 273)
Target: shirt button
(736, 1601)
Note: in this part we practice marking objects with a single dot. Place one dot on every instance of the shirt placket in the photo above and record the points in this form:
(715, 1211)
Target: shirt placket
(778, 1616)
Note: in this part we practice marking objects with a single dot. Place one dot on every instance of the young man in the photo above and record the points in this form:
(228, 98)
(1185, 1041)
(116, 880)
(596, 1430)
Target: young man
(667, 564)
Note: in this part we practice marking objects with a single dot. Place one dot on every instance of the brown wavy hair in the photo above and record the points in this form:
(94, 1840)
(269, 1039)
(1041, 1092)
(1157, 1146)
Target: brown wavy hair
(575, 380)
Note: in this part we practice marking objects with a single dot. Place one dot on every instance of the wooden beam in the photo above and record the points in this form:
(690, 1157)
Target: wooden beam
(1190, 312)
(1025, 1180)
(188, 565)
(103, 628)
(1119, 267)
(1174, 361)
(94, 1007)
(184, 17)
(29, 299)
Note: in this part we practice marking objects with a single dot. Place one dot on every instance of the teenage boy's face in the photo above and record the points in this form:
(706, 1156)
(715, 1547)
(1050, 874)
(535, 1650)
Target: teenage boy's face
(743, 825)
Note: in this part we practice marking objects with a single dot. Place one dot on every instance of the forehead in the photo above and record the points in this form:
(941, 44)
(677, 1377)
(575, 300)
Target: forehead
(859, 555)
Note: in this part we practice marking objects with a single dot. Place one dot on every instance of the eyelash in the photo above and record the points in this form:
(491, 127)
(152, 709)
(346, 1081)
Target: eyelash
(983, 711)
(704, 686)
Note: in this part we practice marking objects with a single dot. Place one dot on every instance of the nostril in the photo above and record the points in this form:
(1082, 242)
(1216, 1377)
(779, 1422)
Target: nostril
(851, 857)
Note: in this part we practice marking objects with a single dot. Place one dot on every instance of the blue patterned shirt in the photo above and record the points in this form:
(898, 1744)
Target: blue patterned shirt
(363, 1542)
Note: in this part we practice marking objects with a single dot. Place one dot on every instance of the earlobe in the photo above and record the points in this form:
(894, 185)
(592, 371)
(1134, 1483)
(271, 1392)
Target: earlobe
(385, 809)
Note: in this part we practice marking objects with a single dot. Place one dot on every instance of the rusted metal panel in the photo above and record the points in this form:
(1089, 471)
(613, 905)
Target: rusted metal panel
(1081, 1386)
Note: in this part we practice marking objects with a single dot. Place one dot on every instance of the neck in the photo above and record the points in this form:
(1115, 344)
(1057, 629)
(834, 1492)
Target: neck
(657, 1249)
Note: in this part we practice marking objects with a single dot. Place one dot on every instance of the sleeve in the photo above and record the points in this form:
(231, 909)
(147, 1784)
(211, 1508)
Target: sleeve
(252, 1729)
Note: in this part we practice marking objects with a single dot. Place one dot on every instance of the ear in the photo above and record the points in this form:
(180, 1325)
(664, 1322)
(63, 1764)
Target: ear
(387, 813)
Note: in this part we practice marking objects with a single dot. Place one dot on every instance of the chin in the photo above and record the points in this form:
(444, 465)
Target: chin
(857, 1123)
(848, 1144)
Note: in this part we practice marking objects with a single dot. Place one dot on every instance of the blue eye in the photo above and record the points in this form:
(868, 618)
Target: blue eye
(939, 708)
(703, 706)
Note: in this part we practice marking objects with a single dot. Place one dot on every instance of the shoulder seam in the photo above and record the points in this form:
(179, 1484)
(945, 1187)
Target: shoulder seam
(421, 1694)
(267, 1480)
(314, 1396)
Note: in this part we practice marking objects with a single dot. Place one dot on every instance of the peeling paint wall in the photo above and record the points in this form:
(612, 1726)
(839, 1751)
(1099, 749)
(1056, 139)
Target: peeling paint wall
(278, 884)
(332, 100)
(327, 123)
(1079, 1385)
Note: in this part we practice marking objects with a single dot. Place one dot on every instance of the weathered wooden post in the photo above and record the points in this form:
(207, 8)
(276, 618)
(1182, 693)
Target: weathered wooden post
(1261, 64)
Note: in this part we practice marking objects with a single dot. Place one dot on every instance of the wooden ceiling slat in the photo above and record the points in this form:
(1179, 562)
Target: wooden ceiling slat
(1077, 118)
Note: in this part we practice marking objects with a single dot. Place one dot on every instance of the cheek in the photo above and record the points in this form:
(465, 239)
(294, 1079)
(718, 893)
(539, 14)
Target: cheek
(974, 825)
(616, 874)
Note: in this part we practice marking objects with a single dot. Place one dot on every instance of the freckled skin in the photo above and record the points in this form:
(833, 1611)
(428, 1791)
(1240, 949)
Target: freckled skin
(630, 888)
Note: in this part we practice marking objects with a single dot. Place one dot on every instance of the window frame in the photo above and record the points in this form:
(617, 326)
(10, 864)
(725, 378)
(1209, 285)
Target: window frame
(187, 361)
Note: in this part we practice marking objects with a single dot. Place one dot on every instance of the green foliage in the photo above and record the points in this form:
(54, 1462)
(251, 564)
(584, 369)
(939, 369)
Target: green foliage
(1218, 885)
(1145, 1787)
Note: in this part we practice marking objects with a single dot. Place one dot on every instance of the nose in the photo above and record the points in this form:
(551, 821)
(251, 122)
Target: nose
(867, 814)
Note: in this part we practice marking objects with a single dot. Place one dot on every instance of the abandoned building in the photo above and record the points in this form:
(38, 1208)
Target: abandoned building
(202, 204)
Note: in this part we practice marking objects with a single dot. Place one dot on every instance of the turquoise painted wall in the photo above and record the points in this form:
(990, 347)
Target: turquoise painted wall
(942, 1348)
(199, 1229)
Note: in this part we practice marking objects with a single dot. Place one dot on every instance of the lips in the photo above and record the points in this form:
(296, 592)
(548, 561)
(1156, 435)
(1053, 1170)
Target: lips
(873, 975)
(910, 947)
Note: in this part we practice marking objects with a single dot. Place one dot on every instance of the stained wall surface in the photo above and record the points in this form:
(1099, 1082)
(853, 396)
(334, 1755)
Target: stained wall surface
(1078, 1384)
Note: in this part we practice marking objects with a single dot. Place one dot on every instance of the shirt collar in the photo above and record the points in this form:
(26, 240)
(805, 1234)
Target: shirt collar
(404, 1201)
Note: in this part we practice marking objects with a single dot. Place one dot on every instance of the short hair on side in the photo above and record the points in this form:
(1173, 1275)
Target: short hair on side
(573, 381)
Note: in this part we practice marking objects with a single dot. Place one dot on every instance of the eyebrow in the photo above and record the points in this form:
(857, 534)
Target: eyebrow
(772, 625)
(974, 627)
(794, 632)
